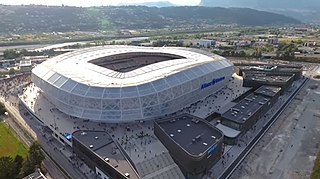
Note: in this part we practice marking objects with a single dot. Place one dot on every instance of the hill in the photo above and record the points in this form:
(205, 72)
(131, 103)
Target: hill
(307, 11)
(22, 19)
(149, 4)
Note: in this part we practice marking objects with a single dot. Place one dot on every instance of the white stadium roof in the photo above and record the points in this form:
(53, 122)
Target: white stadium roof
(76, 66)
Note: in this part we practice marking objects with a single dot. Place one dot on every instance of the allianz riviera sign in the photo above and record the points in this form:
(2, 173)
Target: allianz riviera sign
(213, 82)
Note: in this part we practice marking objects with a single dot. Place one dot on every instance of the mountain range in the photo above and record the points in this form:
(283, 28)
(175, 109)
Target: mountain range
(304, 10)
(36, 18)
(149, 4)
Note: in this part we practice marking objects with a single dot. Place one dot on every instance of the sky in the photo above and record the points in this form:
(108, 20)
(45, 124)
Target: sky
(86, 3)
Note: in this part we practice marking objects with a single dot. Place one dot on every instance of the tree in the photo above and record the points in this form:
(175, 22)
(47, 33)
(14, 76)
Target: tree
(18, 161)
(27, 167)
(36, 155)
(2, 109)
(6, 168)
(316, 168)
(11, 71)
(34, 159)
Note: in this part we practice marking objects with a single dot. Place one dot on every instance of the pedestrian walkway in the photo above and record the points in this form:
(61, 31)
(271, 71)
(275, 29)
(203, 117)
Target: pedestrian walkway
(160, 166)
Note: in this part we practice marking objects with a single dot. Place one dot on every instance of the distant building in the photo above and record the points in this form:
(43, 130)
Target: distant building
(243, 43)
(1, 56)
(25, 65)
(8, 63)
(207, 43)
(273, 41)
(36, 59)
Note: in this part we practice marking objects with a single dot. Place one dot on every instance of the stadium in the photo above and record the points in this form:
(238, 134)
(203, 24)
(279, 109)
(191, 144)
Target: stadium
(117, 84)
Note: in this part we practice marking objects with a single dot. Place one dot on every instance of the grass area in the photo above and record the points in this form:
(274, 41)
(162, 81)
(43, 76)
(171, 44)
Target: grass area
(294, 40)
(316, 168)
(9, 143)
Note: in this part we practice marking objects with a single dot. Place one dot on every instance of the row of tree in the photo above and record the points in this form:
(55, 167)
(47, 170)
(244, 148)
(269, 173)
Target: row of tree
(18, 167)
(18, 53)
(286, 51)
(241, 53)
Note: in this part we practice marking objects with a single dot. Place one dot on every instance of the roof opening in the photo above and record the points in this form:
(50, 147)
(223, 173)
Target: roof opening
(126, 62)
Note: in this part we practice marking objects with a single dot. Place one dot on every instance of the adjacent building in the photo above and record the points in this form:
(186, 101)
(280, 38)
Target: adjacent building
(193, 143)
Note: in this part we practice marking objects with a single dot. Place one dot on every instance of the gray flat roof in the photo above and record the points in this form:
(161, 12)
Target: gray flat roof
(193, 134)
(35, 175)
(269, 91)
(245, 108)
(269, 78)
(227, 131)
(101, 143)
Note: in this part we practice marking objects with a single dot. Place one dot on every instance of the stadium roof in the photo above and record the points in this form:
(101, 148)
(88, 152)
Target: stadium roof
(77, 66)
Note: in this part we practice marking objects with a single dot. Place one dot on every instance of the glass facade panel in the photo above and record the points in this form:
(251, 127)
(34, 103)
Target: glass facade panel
(53, 78)
(96, 92)
(165, 96)
(181, 77)
(131, 114)
(127, 92)
(172, 80)
(190, 74)
(92, 103)
(80, 89)
(130, 103)
(116, 115)
(111, 104)
(149, 100)
(145, 89)
(60, 81)
(160, 84)
(91, 114)
(69, 85)
(111, 93)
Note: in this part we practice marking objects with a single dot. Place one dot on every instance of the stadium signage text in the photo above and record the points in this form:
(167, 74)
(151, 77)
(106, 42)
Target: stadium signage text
(213, 82)
(212, 149)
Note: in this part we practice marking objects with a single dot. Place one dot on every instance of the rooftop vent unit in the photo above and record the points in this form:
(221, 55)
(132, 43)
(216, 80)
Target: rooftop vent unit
(173, 120)
(196, 121)
(204, 143)
(91, 146)
(83, 133)
(127, 175)
(96, 137)
(198, 137)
